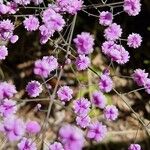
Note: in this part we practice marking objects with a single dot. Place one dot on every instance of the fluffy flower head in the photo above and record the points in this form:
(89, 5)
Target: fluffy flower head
(84, 43)
(65, 93)
(71, 137)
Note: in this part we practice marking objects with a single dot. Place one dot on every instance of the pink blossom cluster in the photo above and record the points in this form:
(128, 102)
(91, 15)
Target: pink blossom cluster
(6, 34)
(116, 52)
(105, 83)
(8, 8)
(134, 147)
(84, 43)
(43, 67)
(65, 93)
(50, 20)
(27, 2)
(132, 7)
(141, 78)
(13, 127)
(69, 6)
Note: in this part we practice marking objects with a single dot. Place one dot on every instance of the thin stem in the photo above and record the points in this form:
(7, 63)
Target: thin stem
(139, 119)
(89, 14)
(139, 89)
(102, 5)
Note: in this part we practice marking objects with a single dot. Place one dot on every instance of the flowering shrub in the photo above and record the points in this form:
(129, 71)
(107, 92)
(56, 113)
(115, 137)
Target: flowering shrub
(55, 24)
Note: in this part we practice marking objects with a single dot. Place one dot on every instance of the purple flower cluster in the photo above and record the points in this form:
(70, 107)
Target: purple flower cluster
(69, 6)
(96, 131)
(50, 20)
(13, 128)
(132, 7)
(7, 107)
(113, 32)
(6, 34)
(3, 52)
(71, 137)
(27, 144)
(134, 147)
(34, 88)
(141, 78)
(8, 8)
(27, 2)
(82, 62)
(53, 21)
(83, 121)
(7, 90)
(33, 127)
(44, 66)
(110, 112)
(105, 18)
(115, 52)
(84, 43)
(81, 106)
(134, 40)
(31, 23)
(56, 146)
(105, 83)
(65, 93)
(6, 30)
(99, 99)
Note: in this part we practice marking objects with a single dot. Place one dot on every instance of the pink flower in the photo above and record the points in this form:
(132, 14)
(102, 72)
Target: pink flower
(37, 2)
(27, 144)
(105, 18)
(56, 146)
(44, 66)
(12, 7)
(6, 29)
(71, 137)
(33, 127)
(45, 33)
(81, 106)
(34, 88)
(115, 52)
(99, 99)
(123, 54)
(105, 83)
(107, 46)
(140, 77)
(83, 121)
(82, 62)
(8, 107)
(96, 131)
(113, 32)
(70, 6)
(134, 147)
(147, 85)
(31, 23)
(14, 39)
(7, 90)
(53, 20)
(3, 9)
(3, 52)
(84, 43)
(132, 7)
(134, 40)
(22, 2)
(13, 128)
(65, 93)
(110, 112)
